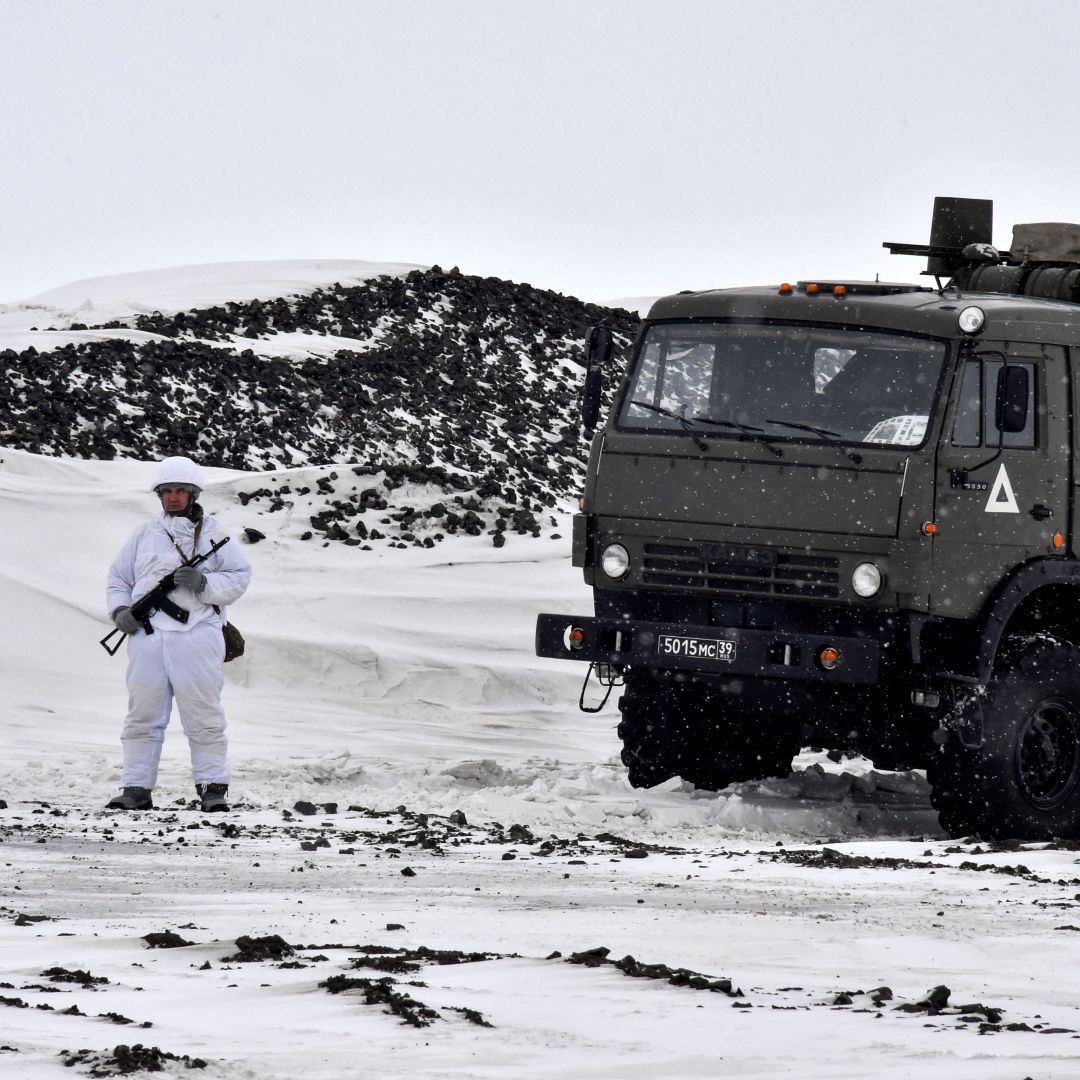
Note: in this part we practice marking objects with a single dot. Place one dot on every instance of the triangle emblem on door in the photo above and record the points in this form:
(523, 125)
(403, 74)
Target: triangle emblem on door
(1002, 500)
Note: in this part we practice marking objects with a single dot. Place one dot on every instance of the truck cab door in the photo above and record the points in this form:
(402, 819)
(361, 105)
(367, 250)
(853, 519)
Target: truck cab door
(1001, 495)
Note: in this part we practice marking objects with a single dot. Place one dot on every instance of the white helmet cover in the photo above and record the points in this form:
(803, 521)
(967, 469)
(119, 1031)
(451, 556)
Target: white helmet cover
(178, 470)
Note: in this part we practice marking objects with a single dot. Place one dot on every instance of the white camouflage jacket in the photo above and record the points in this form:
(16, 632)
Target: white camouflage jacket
(151, 552)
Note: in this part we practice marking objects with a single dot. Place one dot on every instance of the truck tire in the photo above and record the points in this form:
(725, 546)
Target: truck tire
(1023, 781)
(643, 729)
(680, 729)
(952, 793)
(736, 751)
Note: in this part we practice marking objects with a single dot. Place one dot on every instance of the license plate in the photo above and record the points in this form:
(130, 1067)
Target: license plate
(696, 648)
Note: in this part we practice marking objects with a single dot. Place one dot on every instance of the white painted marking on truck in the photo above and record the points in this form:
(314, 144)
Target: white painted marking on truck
(1002, 500)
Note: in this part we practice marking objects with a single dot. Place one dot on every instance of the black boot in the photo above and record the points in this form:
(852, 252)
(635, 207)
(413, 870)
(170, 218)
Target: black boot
(132, 798)
(213, 797)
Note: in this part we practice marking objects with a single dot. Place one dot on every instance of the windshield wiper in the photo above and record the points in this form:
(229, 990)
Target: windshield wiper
(701, 444)
(755, 433)
(825, 433)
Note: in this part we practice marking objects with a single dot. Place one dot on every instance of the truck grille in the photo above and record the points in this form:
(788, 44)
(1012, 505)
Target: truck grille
(732, 568)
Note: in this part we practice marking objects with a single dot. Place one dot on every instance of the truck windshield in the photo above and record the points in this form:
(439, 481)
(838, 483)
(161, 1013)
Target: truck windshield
(786, 382)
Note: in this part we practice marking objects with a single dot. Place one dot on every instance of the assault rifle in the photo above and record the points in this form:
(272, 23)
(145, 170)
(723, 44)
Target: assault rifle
(157, 599)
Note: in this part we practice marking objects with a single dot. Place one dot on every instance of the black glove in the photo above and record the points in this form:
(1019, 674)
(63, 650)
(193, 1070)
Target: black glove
(190, 577)
(125, 621)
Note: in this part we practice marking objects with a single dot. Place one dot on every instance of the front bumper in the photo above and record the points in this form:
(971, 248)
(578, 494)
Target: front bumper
(763, 653)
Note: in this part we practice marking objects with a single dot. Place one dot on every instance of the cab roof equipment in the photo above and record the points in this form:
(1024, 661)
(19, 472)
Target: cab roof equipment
(1044, 260)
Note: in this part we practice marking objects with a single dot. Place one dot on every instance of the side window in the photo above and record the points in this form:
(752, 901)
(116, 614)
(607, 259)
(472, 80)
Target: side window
(974, 424)
(967, 428)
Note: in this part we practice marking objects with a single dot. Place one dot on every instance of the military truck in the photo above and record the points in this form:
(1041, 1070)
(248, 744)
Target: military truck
(843, 514)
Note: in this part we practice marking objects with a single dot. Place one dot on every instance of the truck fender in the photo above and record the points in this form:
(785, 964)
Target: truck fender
(1010, 595)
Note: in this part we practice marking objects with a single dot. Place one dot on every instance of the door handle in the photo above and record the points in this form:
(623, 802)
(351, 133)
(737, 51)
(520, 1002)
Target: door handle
(1041, 513)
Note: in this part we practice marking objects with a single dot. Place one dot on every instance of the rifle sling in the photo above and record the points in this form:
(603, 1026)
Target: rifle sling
(173, 610)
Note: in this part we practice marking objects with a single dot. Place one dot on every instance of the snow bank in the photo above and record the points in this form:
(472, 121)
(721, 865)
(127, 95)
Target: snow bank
(180, 288)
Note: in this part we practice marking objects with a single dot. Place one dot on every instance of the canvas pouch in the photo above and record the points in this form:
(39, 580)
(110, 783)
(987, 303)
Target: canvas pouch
(234, 641)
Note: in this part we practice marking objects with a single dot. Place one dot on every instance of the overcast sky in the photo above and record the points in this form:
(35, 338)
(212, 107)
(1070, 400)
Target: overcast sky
(602, 149)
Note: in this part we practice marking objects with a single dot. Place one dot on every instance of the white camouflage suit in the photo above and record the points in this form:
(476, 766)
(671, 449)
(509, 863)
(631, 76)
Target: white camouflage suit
(178, 661)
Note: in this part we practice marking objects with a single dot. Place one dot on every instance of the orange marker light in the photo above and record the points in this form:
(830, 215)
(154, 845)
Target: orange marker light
(1058, 541)
(829, 658)
(839, 290)
(786, 289)
(581, 504)
(576, 637)
(812, 289)
(929, 528)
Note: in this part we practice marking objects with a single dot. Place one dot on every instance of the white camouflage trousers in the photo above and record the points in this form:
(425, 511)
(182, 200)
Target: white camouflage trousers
(185, 666)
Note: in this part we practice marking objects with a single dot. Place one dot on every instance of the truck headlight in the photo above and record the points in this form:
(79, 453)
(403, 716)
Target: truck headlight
(615, 561)
(971, 320)
(866, 580)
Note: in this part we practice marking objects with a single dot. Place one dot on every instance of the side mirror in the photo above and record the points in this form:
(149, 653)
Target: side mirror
(598, 346)
(1011, 409)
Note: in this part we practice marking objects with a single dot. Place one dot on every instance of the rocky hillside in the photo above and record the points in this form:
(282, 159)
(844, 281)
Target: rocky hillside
(399, 410)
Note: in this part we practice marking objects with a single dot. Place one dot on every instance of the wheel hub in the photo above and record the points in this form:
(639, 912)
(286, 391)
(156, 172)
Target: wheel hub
(1048, 754)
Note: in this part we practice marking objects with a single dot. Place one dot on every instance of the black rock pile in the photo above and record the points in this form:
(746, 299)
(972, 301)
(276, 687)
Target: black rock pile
(125, 1060)
(447, 402)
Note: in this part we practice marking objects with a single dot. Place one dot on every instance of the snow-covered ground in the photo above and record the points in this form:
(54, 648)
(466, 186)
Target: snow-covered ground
(451, 797)
(180, 288)
(43, 321)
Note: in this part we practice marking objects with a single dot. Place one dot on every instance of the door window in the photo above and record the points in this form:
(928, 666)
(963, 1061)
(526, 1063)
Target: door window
(975, 423)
